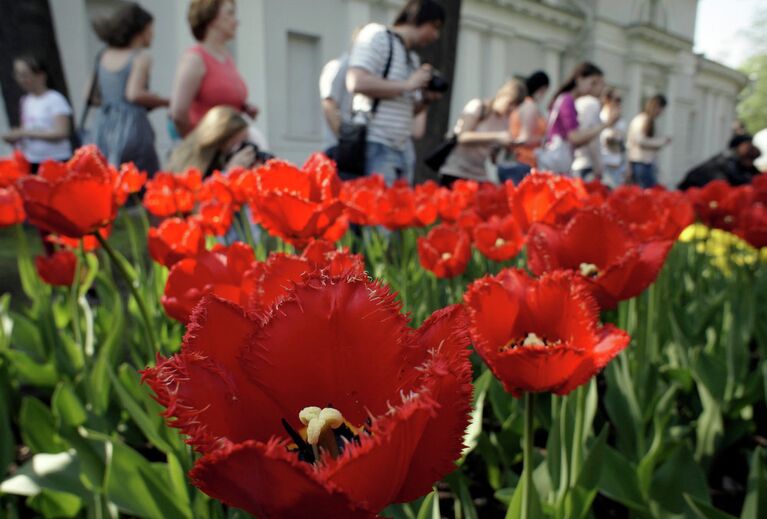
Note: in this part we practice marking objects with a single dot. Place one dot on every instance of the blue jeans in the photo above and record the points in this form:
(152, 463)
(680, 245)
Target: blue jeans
(514, 172)
(614, 176)
(644, 174)
(383, 159)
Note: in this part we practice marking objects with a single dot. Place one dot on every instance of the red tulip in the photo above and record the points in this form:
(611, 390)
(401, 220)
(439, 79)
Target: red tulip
(170, 194)
(219, 271)
(129, 181)
(360, 196)
(324, 254)
(543, 197)
(13, 168)
(74, 200)
(717, 204)
(491, 200)
(426, 203)
(396, 207)
(269, 282)
(248, 391)
(175, 239)
(594, 243)
(752, 225)
(57, 269)
(445, 251)
(498, 239)
(11, 207)
(89, 242)
(651, 214)
(539, 334)
(452, 202)
(214, 217)
(298, 204)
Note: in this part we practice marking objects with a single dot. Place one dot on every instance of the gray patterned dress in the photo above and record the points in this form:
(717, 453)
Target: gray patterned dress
(123, 132)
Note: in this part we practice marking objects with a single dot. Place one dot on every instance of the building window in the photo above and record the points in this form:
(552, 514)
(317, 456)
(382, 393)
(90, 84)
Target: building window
(302, 104)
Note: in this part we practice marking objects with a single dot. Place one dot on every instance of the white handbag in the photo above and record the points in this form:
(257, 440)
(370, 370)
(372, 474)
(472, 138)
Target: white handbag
(557, 154)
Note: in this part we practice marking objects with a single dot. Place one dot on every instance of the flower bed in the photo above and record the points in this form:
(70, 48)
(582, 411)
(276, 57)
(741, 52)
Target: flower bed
(553, 349)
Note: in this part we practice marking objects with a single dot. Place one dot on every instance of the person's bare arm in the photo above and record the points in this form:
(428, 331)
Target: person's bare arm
(136, 90)
(189, 75)
(528, 119)
(60, 130)
(419, 125)
(361, 81)
(652, 143)
(332, 114)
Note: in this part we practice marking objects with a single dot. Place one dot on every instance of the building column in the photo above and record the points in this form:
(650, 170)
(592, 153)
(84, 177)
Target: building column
(669, 169)
(495, 66)
(553, 65)
(252, 57)
(469, 83)
(633, 104)
(358, 13)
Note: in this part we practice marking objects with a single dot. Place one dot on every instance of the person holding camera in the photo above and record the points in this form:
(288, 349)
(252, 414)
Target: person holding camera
(482, 132)
(219, 142)
(390, 86)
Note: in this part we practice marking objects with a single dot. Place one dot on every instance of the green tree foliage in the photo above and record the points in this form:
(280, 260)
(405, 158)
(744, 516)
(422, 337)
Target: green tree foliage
(752, 108)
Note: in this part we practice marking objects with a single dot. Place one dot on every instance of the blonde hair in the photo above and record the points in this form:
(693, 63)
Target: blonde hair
(199, 148)
(514, 90)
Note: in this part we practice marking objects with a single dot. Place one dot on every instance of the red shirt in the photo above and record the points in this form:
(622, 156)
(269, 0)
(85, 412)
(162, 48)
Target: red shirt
(222, 84)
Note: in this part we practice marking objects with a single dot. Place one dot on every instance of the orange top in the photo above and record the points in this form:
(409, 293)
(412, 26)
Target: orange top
(525, 153)
(222, 84)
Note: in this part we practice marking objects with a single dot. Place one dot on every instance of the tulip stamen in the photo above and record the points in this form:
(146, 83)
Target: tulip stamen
(499, 242)
(531, 339)
(320, 424)
(446, 256)
(588, 270)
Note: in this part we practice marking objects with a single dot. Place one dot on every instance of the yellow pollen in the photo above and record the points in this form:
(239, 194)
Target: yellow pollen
(588, 270)
(533, 340)
(499, 242)
(319, 428)
(446, 256)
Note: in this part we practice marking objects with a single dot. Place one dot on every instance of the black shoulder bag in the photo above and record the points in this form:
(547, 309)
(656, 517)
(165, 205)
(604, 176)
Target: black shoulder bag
(352, 136)
(437, 157)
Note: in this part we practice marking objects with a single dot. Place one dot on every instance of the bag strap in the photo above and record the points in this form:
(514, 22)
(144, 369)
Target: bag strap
(92, 90)
(374, 108)
(483, 113)
(553, 116)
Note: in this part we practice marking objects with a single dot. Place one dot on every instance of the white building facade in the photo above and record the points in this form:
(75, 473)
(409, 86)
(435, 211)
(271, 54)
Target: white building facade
(644, 47)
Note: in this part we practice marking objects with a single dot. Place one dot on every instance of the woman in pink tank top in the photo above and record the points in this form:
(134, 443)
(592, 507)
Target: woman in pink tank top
(207, 75)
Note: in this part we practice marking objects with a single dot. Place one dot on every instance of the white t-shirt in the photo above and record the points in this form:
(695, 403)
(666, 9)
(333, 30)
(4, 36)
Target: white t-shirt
(392, 123)
(333, 86)
(588, 108)
(39, 113)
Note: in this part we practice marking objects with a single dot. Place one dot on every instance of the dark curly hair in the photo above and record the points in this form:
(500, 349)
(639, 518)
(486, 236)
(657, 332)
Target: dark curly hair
(122, 25)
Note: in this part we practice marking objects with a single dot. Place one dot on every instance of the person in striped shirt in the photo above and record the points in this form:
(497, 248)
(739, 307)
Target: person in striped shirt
(402, 93)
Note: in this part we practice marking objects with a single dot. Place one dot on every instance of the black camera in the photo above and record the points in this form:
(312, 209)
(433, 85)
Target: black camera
(437, 83)
(261, 156)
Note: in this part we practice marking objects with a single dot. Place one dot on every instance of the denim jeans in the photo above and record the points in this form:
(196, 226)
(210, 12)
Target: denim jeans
(514, 172)
(644, 174)
(383, 159)
(614, 176)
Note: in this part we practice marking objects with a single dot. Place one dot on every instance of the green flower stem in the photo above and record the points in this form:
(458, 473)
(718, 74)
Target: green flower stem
(527, 475)
(154, 346)
(577, 454)
(74, 294)
(242, 214)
